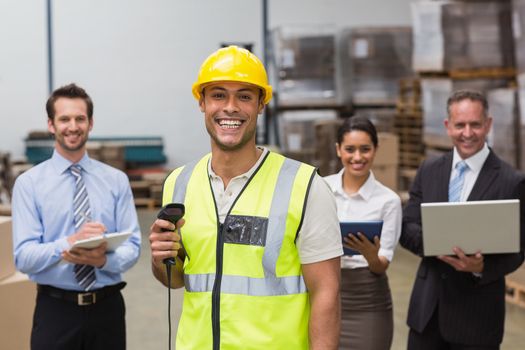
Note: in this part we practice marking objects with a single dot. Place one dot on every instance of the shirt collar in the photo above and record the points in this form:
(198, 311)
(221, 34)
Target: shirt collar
(365, 191)
(247, 174)
(62, 164)
(475, 162)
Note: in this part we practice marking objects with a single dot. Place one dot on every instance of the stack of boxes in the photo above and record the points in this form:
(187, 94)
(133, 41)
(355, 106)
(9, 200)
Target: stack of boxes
(375, 59)
(409, 128)
(298, 136)
(17, 295)
(5, 178)
(462, 35)
(325, 150)
(515, 283)
(478, 35)
(465, 45)
(519, 41)
(111, 153)
(146, 185)
(504, 109)
(386, 162)
(321, 74)
(305, 67)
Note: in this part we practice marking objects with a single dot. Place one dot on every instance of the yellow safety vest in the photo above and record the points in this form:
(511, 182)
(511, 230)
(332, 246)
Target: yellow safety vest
(244, 287)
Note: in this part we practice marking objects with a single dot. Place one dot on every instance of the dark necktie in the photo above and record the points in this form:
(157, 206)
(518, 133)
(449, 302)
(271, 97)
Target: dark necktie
(84, 274)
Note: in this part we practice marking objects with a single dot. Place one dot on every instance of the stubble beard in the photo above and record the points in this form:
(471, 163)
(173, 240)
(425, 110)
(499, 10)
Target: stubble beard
(61, 141)
(246, 138)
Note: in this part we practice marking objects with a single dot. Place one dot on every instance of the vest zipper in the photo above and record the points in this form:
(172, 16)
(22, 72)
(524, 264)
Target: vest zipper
(216, 292)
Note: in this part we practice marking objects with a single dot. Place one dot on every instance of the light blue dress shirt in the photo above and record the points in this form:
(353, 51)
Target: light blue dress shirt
(42, 210)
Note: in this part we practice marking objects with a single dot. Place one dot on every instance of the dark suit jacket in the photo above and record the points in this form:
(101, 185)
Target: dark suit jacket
(471, 310)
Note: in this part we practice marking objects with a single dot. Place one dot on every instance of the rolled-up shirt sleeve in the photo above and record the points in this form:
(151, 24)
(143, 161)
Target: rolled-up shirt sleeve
(127, 254)
(392, 215)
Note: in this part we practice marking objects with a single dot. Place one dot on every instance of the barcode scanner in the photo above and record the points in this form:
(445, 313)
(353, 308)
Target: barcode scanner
(172, 212)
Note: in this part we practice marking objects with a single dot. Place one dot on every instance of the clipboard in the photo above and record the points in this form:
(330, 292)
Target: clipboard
(113, 240)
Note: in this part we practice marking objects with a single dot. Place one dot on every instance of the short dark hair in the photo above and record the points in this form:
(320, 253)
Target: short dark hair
(473, 95)
(357, 124)
(68, 91)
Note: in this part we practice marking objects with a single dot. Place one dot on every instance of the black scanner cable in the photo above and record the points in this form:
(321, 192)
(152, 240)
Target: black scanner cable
(168, 271)
(172, 212)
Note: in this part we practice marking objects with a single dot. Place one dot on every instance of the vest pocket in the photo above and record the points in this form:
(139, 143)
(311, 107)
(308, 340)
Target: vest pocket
(248, 230)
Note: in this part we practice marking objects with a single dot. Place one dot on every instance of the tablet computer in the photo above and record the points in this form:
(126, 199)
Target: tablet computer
(369, 228)
(489, 226)
(113, 239)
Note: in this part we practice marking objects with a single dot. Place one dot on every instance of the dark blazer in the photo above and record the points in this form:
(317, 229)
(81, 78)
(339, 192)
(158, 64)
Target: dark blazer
(471, 310)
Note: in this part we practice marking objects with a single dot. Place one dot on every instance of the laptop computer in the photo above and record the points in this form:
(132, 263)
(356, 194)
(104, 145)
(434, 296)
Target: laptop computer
(489, 226)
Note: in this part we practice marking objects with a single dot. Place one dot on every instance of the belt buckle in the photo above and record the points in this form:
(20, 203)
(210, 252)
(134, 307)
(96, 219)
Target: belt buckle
(86, 298)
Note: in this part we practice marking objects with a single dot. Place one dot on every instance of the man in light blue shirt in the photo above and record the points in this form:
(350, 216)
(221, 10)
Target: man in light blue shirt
(79, 304)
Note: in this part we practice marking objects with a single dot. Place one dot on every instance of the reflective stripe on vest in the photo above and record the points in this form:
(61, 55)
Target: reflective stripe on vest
(179, 193)
(248, 286)
(270, 285)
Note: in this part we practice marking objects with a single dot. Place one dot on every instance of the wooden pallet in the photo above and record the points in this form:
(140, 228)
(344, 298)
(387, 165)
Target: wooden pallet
(515, 292)
(474, 73)
(412, 148)
(440, 142)
(148, 203)
(408, 105)
(409, 133)
(410, 160)
(408, 123)
(409, 91)
(406, 177)
(414, 123)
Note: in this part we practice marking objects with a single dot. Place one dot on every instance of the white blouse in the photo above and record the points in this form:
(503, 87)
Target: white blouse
(373, 201)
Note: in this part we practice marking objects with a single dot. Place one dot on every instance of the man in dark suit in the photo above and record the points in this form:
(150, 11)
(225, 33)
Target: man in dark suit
(458, 301)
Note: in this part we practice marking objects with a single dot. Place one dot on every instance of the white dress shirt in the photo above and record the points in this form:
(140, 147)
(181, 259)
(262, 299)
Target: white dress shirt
(475, 163)
(373, 201)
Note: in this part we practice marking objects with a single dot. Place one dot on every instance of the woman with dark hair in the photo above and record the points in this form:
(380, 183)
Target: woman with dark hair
(367, 321)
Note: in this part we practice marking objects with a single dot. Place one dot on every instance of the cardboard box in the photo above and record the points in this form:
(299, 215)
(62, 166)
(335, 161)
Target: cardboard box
(17, 302)
(387, 175)
(5, 209)
(388, 149)
(518, 275)
(7, 264)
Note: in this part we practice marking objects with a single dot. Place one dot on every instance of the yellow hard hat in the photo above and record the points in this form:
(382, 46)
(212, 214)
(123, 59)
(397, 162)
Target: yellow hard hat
(232, 63)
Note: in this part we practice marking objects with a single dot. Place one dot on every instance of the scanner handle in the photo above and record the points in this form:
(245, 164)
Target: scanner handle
(172, 212)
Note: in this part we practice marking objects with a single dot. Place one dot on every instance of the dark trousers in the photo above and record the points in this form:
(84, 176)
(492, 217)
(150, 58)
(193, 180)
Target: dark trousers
(431, 339)
(61, 325)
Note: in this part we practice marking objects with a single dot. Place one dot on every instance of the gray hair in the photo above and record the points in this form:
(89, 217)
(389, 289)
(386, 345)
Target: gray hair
(472, 95)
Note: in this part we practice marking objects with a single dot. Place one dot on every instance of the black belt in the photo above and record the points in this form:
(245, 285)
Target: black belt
(81, 298)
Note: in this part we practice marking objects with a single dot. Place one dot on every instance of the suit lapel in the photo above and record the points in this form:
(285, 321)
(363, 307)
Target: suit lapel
(486, 177)
(443, 177)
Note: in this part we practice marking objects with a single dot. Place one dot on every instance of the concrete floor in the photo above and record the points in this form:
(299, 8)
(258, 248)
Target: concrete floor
(147, 300)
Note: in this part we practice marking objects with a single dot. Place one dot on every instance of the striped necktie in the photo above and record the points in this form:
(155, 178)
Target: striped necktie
(456, 184)
(84, 274)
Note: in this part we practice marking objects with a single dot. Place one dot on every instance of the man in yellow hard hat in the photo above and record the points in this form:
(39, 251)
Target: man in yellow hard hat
(260, 236)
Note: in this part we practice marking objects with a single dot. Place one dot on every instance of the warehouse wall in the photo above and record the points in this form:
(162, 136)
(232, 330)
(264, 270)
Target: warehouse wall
(138, 59)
